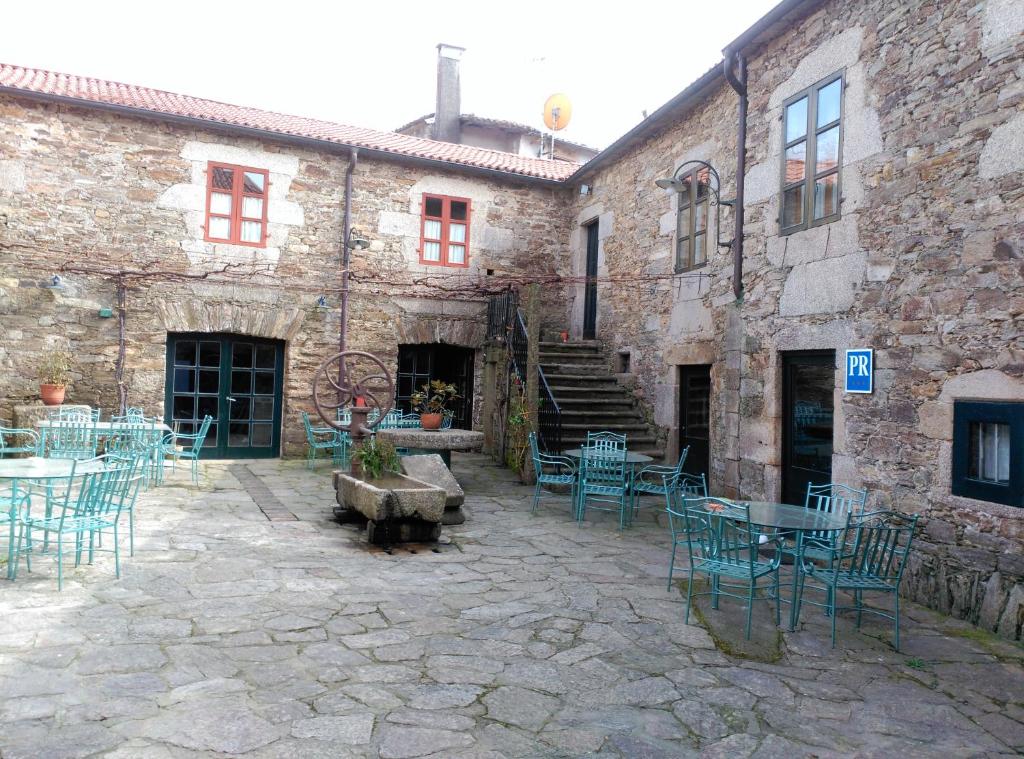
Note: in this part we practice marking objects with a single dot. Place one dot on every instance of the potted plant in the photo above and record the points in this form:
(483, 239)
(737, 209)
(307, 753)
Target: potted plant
(54, 377)
(432, 401)
(375, 457)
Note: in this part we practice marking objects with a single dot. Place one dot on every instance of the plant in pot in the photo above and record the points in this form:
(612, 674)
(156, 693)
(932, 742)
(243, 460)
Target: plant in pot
(375, 457)
(54, 377)
(432, 401)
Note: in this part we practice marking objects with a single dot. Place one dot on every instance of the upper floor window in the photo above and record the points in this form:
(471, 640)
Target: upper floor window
(812, 126)
(988, 451)
(692, 220)
(236, 204)
(444, 236)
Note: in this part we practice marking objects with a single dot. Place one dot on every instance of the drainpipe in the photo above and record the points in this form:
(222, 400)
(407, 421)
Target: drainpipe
(346, 253)
(735, 69)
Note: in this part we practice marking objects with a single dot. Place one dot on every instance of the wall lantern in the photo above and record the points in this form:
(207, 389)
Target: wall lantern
(56, 282)
(356, 242)
(708, 176)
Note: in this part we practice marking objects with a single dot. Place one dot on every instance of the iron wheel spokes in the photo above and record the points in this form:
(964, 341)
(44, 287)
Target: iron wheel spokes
(346, 383)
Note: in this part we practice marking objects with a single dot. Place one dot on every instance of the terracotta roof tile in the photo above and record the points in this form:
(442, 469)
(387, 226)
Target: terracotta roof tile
(145, 99)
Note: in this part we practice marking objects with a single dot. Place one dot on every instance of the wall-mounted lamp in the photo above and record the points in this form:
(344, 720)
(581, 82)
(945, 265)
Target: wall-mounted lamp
(321, 301)
(707, 176)
(356, 242)
(56, 282)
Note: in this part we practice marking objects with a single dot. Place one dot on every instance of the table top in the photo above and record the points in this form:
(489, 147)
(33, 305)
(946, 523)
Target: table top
(786, 516)
(631, 457)
(37, 468)
(433, 440)
(104, 426)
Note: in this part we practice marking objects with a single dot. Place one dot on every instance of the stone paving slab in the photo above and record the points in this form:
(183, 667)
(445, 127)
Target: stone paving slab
(233, 635)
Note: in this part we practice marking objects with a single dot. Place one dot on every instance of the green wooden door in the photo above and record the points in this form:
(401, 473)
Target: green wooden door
(235, 379)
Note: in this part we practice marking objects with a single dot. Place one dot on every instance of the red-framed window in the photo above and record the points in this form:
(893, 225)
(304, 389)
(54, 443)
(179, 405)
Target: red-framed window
(236, 204)
(444, 232)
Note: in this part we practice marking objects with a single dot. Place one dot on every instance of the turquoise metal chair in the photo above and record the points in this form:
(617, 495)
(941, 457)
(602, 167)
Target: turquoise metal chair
(70, 440)
(14, 440)
(870, 556)
(831, 498)
(652, 478)
(449, 417)
(552, 471)
(194, 444)
(321, 439)
(95, 508)
(722, 543)
(131, 415)
(677, 488)
(604, 478)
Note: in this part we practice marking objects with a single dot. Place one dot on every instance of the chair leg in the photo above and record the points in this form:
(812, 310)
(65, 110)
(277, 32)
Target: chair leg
(778, 600)
(750, 606)
(672, 563)
(689, 595)
(60, 563)
(896, 615)
(832, 613)
(117, 554)
(536, 497)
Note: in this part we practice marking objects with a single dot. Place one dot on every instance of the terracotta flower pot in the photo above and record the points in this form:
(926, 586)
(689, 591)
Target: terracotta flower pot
(52, 395)
(431, 421)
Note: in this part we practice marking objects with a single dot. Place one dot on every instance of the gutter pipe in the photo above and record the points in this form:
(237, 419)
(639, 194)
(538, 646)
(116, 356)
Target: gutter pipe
(734, 67)
(346, 250)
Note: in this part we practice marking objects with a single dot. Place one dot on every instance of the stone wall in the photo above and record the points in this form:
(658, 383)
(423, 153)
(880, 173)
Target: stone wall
(112, 192)
(924, 266)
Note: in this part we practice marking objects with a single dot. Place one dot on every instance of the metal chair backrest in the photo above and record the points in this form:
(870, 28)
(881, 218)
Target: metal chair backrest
(105, 492)
(391, 420)
(74, 414)
(679, 487)
(832, 498)
(682, 460)
(344, 416)
(534, 450)
(606, 441)
(17, 440)
(876, 546)
(70, 440)
(720, 530)
(130, 416)
(603, 466)
(308, 426)
(201, 434)
(449, 417)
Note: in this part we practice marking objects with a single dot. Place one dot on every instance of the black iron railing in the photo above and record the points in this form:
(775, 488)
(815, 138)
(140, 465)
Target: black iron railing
(549, 414)
(500, 310)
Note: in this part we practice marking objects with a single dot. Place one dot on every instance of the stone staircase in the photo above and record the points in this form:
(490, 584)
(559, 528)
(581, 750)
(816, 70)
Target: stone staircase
(590, 397)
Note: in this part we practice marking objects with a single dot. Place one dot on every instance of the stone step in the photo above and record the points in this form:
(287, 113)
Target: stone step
(575, 416)
(552, 369)
(588, 378)
(584, 391)
(609, 402)
(609, 426)
(592, 346)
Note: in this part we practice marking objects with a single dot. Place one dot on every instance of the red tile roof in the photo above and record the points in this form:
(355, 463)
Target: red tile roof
(147, 100)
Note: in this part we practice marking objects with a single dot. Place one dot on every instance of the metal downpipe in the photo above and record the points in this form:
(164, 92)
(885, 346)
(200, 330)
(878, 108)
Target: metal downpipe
(738, 81)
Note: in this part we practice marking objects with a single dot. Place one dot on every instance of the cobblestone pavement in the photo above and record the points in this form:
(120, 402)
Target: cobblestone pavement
(231, 633)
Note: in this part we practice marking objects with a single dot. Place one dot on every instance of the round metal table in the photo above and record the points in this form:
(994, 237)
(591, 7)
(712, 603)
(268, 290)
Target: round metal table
(37, 468)
(631, 458)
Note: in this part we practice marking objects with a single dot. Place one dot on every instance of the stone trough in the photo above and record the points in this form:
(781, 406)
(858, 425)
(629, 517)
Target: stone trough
(398, 508)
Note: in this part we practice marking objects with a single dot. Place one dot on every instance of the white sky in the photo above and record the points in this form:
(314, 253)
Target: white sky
(373, 64)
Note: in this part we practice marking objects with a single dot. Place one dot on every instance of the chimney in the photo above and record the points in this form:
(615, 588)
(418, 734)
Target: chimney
(447, 110)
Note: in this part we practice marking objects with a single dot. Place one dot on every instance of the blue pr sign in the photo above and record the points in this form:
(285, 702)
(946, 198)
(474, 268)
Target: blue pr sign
(860, 367)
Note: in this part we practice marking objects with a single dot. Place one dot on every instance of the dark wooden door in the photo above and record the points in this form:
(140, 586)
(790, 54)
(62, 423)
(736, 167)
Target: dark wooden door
(420, 364)
(808, 387)
(695, 417)
(590, 293)
(235, 379)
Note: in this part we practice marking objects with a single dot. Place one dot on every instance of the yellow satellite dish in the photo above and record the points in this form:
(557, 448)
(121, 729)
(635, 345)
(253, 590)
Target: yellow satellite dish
(557, 112)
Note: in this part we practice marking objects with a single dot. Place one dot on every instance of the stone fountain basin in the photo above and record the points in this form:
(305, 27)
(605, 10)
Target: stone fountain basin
(391, 496)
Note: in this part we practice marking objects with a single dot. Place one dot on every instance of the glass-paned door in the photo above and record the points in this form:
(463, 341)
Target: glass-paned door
(695, 417)
(590, 288)
(235, 379)
(808, 387)
(419, 364)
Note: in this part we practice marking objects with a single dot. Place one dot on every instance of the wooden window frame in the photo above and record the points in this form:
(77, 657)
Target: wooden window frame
(446, 219)
(686, 202)
(811, 135)
(237, 194)
(1010, 413)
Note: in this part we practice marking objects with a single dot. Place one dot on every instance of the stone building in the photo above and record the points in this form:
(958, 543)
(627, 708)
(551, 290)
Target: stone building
(910, 244)
(881, 160)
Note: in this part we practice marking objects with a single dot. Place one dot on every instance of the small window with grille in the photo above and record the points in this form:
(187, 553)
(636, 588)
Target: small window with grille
(988, 451)
(236, 205)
